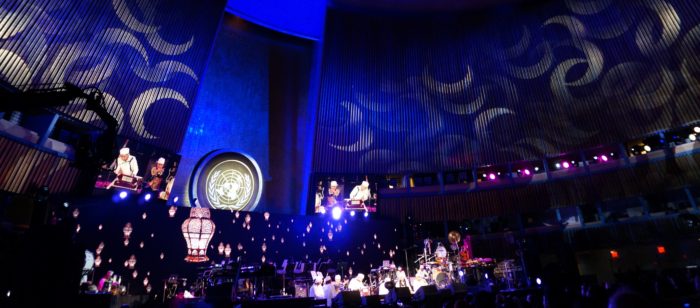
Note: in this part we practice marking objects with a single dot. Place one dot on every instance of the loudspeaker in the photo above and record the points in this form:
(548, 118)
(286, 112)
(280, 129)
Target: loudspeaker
(458, 288)
(403, 294)
(373, 300)
(347, 299)
(424, 292)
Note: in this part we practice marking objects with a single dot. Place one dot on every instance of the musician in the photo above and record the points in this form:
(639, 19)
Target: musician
(421, 279)
(105, 281)
(317, 290)
(385, 285)
(401, 278)
(157, 174)
(337, 286)
(360, 192)
(333, 194)
(357, 283)
(318, 205)
(126, 164)
(440, 253)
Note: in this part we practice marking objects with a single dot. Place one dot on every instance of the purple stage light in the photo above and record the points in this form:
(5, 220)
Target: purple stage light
(603, 158)
(122, 195)
(527, 171)
(565, 165)
(492, 176)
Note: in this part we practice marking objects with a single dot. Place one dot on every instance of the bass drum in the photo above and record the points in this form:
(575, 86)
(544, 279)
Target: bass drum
(442, 279)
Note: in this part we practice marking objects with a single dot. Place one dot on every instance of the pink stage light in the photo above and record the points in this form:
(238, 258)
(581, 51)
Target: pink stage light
(492, 176)
(566, 165)
(527, 171)
(603, 158)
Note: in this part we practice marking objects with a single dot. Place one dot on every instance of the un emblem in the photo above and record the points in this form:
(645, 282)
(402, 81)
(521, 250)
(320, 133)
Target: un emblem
(228, 181)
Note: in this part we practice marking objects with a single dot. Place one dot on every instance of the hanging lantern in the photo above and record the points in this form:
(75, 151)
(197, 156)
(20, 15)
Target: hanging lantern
(149, 288)
(77, 228)
(247, 218)
(145, 281)
(264, 247)
(330, 235)
(221, 248)
(101, 246)
(227, 250)
(141, 244)
(266, 215)
(240, 246)
(198, 230)
(132, 261)
(162, 256)
(172, 211)
(144, 216)
(135, 274)
(237, 214)
(263, 259)
(76, 213)
(98, 261)
(127, 230)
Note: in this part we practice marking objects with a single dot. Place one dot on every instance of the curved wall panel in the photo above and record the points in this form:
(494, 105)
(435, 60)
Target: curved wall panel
(146, 56)
(402, 94)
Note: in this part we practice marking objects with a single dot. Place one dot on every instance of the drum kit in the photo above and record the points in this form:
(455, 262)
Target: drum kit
(442, 267)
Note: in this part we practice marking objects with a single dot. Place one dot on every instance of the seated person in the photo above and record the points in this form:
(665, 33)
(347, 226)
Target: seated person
(317, 291)
(360, 193)
(356, 284)
(333, 194)
(126, 164)
(155, 179)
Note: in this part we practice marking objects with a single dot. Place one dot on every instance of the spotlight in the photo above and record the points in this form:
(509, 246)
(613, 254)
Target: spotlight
(65, 204)
(603, 158)
(527, 171)
(538, 281)
(566, 165)
(492, 176)
(352, 213)
(486, 275)
(696, 129)
(337, 212)
(147, 197)
(558, 165)
(692, 137)
(537, 169)
(175, 199)
(461, 273)
(647, 148)
(123, 195)
(366, 214)
(9, 293)
(595, 157)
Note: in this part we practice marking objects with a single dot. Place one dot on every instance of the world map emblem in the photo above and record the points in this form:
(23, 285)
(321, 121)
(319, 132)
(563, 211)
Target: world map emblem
(227, 181)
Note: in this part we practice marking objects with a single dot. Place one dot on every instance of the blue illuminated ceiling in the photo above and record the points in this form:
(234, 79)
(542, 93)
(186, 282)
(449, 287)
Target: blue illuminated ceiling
(303, 18)
(306, 18)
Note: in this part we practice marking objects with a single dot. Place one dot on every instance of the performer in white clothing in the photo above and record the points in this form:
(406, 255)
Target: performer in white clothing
(356, 283)
(360, 192)
(126, 164)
